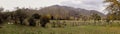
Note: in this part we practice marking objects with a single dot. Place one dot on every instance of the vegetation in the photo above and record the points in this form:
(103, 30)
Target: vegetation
(114, 9)
(59, 20)
(18, 29)
(95, 17)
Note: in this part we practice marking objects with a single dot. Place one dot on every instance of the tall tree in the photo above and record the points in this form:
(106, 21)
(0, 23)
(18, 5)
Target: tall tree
(114, 6)
(114, 9)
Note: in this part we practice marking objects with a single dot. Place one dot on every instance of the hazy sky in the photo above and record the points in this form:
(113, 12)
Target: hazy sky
(86, 4)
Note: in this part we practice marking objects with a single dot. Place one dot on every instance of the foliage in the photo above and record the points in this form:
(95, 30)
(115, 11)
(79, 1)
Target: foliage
(1, 17)
(114, 9)
(36, 16)
(20, 14)
(44, 20)
(32, 22)
(114, 6)
(95, 17)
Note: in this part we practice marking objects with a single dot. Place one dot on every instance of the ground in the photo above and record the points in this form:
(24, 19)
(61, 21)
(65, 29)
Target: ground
(89, 29)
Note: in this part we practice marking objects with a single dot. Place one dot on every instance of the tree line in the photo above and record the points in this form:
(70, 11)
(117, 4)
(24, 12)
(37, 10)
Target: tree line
(22, 16)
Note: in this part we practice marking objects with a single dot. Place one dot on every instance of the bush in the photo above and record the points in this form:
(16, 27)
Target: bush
(31, 22)
(44, 20)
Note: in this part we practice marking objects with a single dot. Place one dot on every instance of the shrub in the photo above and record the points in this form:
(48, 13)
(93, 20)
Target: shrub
(31, 22)
(44, 20)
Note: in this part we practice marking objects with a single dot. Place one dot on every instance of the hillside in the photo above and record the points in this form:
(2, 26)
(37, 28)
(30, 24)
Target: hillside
(64, 11)
(68, 11)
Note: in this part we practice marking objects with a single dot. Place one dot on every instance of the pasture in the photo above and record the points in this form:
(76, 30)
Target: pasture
(70, 27)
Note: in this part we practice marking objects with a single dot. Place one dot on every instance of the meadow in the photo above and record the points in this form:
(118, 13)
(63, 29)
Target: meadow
(69, 28)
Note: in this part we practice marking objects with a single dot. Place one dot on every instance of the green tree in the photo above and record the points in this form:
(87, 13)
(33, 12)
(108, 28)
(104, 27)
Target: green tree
(113, 9)
(32, 20)
(20, 14)
(44, 20)
(36, 16)
(1, 17)
(95, 16)
(114, 6)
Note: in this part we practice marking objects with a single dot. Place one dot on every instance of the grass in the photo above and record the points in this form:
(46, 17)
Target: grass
(89, 29)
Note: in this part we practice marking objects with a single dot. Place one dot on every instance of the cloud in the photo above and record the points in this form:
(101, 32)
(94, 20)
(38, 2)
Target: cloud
(86, 4)
(10, 4)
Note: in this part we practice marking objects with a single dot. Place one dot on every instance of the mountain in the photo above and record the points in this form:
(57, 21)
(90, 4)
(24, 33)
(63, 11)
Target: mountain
(65, 11)
(68, 11)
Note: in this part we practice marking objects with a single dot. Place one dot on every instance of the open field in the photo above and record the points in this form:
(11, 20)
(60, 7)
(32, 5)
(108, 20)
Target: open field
(71, 23)
(86, 29)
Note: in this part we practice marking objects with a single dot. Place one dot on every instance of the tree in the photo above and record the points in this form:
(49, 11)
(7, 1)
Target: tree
(114, 6)
(114, 9)
(5, 16)
(20, 14)
(32, 20)
(1, 16)
(95, 16)
(36, 16)
(52, 18)
(44, 20)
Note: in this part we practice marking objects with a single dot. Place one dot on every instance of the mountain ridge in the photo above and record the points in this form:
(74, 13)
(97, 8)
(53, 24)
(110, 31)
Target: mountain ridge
(71, 10)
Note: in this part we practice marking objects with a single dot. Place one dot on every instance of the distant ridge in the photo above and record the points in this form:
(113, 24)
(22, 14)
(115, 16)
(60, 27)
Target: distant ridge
(65, 11)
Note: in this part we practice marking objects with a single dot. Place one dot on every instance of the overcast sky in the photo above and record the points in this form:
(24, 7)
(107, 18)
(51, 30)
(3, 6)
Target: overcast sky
(86, 4)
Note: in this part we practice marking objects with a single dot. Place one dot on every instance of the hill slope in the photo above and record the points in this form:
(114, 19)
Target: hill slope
(68, 11)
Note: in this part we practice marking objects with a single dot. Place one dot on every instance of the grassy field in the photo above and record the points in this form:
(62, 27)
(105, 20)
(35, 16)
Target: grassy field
(18, 29)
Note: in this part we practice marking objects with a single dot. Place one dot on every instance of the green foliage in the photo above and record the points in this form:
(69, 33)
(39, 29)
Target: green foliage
(1, 16)
(95, 17)
(114, 6)
(20, 14)
(36, 16)
(114, 9)
(32, 22)
(44, 20)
